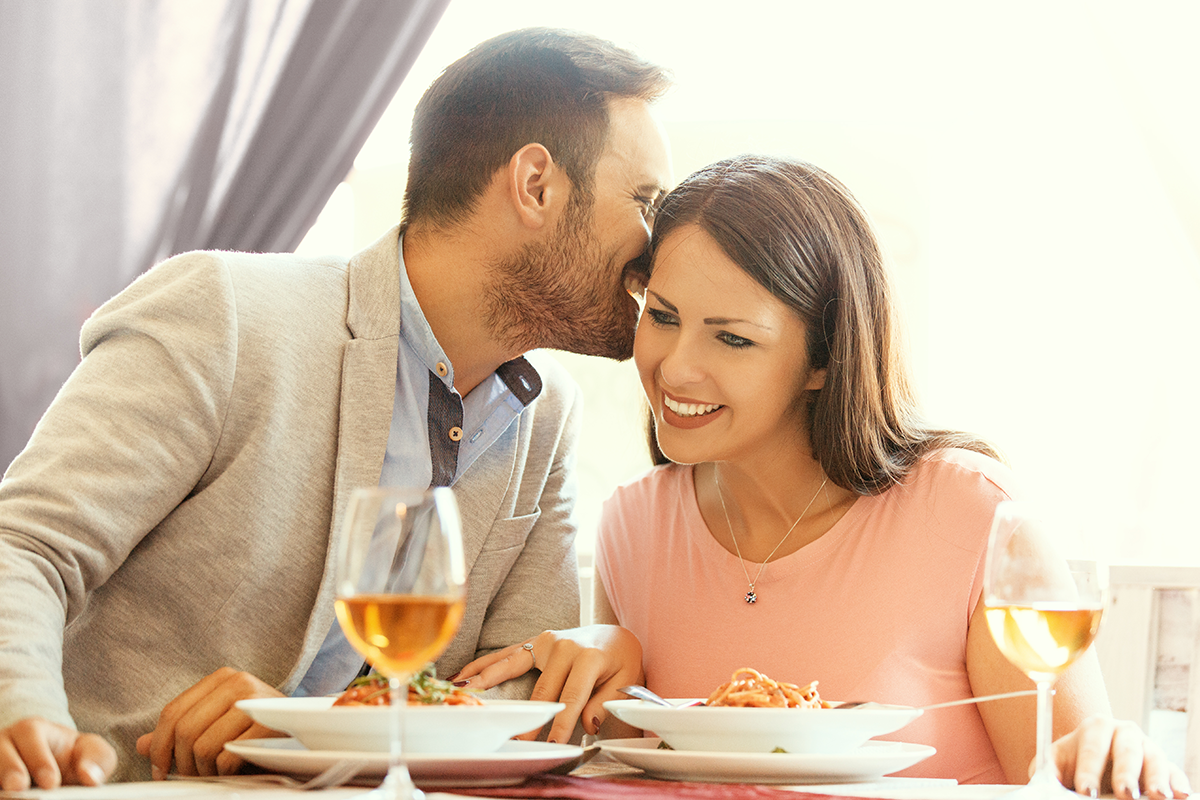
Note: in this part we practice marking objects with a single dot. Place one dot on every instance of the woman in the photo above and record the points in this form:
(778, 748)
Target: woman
(805, 522)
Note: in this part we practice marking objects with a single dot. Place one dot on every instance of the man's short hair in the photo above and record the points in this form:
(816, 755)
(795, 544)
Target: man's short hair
(538, 85)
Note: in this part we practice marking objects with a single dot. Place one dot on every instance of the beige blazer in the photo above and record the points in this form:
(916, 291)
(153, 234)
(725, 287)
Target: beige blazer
(176, 509)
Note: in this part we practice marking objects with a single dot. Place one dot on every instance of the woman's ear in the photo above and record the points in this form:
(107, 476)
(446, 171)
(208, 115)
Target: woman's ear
(537, 185)
(816, 379)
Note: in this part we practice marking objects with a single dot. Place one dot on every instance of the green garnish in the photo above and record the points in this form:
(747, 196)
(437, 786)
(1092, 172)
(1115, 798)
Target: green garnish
(424, 687)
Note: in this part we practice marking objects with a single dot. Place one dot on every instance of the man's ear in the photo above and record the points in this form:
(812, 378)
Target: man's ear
(537, 185)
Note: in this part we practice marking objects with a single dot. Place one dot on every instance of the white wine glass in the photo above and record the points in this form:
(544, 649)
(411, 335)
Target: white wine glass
(401, 591)
(1043, 613)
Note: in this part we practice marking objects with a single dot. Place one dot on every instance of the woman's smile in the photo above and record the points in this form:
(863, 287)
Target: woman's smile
(683, 414)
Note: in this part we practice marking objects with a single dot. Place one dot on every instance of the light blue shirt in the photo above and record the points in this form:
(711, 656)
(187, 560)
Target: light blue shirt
(486, 412)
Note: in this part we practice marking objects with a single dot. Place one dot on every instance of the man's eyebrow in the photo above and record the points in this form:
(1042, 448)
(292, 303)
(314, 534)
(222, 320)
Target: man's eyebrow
(708, 320)
(652, 189)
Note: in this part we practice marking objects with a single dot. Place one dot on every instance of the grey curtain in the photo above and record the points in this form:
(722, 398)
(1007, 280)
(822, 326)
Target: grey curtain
(133, 130)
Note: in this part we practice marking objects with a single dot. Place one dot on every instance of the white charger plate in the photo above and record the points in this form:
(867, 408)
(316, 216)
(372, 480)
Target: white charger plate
(512, 763)
(319, 725)
(868, 762)
(725, 729)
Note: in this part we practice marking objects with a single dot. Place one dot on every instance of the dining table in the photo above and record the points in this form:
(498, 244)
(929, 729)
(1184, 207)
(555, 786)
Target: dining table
(601, 778)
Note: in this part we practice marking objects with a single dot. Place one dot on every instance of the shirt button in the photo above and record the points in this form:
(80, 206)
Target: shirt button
(456, 434)
(442, 369)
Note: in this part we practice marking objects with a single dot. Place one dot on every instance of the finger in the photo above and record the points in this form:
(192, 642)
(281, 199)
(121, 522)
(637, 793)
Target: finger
(229, 763)
(586, 672)
(1156, 772)
(1180, 785)
(93, 761)
(30, 739)
(594, 713)
(548, 687)
(187, 730)
(1128, 757)
(1062, 755)
(162, 738)
(14, 777)
(200, 735)
(515, 664)
(1093, 744)
(482, 663)
(207, 742)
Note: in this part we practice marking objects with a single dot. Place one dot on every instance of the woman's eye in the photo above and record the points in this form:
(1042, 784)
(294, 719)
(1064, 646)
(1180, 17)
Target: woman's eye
(660, 318)
(735, 341)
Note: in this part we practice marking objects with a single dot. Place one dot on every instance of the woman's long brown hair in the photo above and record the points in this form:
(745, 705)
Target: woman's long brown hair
(800, 233)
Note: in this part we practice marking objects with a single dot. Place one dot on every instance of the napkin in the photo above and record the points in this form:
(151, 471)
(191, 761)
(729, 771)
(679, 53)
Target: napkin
(566, 787)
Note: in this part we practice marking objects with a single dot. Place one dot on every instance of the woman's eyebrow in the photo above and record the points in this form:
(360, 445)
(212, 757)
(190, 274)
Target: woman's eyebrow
(670, 306)
(731, 320)
(708, 320)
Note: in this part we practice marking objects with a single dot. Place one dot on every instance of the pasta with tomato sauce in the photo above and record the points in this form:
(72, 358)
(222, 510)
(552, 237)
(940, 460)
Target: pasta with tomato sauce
(749, 688)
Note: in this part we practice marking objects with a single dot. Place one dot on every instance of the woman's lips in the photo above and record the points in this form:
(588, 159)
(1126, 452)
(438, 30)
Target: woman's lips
(679, 414)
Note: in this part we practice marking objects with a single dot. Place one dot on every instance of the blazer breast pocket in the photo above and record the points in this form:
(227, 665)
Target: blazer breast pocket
(505, 543)
(509, 533)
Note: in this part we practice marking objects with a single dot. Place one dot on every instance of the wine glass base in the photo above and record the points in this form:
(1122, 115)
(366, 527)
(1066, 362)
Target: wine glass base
(381, 792)
(1045, 787)
(402, 789)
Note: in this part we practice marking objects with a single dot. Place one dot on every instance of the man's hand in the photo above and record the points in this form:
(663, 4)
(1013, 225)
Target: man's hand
(194, 727)
(48, 755)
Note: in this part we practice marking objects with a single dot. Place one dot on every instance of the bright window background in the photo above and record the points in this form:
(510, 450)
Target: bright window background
(1032, 171)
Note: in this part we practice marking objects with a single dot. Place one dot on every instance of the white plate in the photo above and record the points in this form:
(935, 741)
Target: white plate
(512, 763)
(872, 760)
(762, 730)
(428, 729)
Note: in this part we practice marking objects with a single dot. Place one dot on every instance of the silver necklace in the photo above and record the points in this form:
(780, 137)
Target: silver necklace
(751, 595)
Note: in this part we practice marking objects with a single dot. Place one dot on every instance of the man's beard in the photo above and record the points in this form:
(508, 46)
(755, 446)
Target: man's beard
(564, 294)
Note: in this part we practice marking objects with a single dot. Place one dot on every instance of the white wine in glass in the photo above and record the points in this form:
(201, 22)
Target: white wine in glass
(401, 590)
(1043, 613)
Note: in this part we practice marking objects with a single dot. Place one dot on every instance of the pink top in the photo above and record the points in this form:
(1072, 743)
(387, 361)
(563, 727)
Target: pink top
(876, 609)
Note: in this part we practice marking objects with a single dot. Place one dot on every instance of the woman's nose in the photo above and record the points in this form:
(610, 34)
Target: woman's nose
(681, 365)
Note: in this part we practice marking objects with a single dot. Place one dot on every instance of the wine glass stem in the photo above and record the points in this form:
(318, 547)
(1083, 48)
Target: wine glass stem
(399, 785)
(1045, 769)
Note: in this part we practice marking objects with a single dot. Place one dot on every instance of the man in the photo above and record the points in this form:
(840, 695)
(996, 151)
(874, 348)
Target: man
(165, 536)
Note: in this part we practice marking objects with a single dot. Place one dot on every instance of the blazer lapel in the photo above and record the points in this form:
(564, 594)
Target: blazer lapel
(365, 413)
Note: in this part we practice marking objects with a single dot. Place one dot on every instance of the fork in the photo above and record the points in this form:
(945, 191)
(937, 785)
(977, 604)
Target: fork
(964, 701)
(642, 693)
(335, 774)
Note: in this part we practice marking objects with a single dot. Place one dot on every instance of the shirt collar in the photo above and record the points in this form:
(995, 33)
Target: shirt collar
(521, 378)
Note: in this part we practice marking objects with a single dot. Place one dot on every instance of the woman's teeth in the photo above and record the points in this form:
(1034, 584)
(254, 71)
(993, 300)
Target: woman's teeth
(689, 409)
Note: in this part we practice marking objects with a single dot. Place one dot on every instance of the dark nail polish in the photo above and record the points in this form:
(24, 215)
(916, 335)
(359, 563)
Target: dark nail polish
(454, 677)
(462, 683)
(596, 723)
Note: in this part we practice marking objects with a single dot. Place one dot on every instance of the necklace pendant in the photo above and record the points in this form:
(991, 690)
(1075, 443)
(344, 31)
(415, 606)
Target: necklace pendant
(751, 597)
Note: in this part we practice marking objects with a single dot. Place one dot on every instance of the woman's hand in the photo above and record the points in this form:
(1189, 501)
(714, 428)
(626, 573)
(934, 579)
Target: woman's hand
(581, 667)
(1103, 754)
